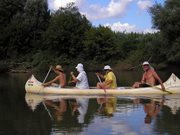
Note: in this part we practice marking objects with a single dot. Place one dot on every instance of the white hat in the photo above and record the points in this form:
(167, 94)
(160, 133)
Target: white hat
(145, 63)
(79, 65)
(107, 67)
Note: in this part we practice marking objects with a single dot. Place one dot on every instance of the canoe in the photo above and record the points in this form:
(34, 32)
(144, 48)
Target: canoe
(172, 85)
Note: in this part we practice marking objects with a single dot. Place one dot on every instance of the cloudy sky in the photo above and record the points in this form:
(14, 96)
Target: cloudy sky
(120, 15)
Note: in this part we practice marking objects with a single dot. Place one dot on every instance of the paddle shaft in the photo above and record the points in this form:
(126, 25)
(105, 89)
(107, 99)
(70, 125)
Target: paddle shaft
(47, 75)
(159, 88)
(101, 82)
(43, 100)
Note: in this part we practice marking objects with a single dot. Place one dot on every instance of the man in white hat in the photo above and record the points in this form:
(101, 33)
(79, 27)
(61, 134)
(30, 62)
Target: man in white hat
(109, 79)
(149, 77)
(81, 80)
(60, 78)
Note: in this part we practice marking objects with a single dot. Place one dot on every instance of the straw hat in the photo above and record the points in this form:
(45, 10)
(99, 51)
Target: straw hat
(59, 67)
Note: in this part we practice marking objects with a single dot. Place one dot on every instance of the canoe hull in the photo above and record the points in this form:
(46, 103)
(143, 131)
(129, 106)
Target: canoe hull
(34, 86)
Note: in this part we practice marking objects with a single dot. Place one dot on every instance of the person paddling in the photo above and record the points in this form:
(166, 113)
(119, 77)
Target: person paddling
(109, 79)
(61, 78)
(81, 80)
(149, 77)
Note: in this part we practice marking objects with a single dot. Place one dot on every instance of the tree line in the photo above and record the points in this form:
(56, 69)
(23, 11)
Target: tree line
(32, 34)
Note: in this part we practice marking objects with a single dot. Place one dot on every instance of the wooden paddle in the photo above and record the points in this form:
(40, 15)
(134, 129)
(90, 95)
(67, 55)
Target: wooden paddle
(47, 74)
(43, 99)
(159, 88)
(101, 82)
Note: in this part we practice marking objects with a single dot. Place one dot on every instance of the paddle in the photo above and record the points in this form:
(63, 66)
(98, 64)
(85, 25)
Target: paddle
(159, 88)
(43, 100)
(101, 82)
(47, 74)
(138, 65)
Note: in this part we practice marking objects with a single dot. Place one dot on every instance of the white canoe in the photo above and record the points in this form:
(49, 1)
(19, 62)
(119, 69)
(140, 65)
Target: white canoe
(172, 84)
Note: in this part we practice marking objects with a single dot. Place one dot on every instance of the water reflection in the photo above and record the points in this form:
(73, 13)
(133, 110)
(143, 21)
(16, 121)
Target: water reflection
(151, 108)
(80, 106)
(107, 106)
(116, 115)
(59, 105)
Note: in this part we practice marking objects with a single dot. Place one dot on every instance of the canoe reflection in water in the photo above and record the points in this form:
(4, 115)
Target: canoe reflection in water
(57, 106)
(107, 105)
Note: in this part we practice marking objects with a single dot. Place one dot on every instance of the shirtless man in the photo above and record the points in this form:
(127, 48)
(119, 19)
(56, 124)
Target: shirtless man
(149, 77)
(61, 78)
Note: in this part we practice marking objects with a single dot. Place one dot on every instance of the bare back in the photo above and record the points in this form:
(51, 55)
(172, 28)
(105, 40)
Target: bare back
(62, 79)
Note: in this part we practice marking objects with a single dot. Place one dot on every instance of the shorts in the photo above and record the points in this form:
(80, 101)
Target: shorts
(143, 85)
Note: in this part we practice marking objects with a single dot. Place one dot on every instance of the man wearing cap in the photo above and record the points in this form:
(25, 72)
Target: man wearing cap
(149, 77)
(109, 79)
(81, 80)
(61, 77)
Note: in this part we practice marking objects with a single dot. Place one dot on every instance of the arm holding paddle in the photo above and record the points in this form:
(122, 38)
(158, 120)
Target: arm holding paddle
(50, 82)
(100, 75)
(104, 84)
(159, 80)
(100, 84)
(74, 79)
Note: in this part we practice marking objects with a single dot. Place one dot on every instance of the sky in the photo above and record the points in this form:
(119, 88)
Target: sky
(119, 15)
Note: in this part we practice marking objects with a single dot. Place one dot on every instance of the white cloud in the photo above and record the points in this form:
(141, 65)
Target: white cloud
(115, 8)
(144, 4)
(55, 4)
(125, 27)
(150, 31)
(121, 27)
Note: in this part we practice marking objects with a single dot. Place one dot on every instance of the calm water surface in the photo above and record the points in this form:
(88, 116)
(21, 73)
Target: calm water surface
(28, 114)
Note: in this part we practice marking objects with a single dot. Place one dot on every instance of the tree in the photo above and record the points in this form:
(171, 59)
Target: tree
(100, 44)
(166, 18)
(9, 9)
(65, 34)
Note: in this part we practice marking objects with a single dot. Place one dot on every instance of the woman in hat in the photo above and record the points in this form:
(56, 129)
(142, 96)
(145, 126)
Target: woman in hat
(60, 78)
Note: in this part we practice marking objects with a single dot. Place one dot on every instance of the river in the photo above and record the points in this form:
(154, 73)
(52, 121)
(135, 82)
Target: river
(28, 114)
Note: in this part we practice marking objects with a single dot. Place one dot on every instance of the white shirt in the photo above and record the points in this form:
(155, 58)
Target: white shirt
(82, 82)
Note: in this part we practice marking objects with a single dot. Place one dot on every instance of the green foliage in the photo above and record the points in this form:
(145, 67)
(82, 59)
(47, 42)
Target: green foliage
(66, 32)
(23, 29)
(29, 33)
(100, 44)
(4, 67)
(166, 18)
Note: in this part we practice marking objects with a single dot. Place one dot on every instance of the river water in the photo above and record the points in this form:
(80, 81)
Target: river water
(28, 114)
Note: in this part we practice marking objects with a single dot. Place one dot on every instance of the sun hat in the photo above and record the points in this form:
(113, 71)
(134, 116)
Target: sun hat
(59, 67)
(107, 67)
(145, 63)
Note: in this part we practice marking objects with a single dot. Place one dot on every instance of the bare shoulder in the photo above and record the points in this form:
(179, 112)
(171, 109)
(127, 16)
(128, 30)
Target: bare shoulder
(152, 71)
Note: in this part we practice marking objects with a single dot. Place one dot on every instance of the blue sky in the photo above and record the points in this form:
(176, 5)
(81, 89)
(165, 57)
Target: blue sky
(119, 15)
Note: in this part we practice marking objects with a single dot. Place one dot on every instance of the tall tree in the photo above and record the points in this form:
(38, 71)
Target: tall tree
(65, 33)
(25, 27)
(100, 44)
(166, 18)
